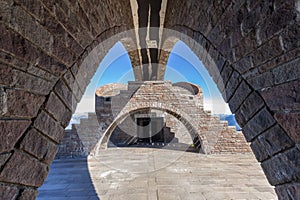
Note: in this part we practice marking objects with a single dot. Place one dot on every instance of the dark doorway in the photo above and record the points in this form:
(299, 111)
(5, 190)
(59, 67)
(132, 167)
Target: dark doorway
(150, 129)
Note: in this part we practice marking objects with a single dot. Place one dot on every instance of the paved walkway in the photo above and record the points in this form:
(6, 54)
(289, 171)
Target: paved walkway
(156, 174)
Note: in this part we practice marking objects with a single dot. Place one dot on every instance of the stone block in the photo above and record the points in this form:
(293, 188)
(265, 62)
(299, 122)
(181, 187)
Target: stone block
(11, 132)
(267, 51)
(60, 112)
(28, 194)
(243, 65)
(8, 192)
(31, 83)
(6, 77)
(283, 97)
(239, 96)
(286, 72)
(25, 170)
(39, 146)
(49, 126)
(290, 122)
(291, 37)
(17, 45)
(65, 94)
(288, 191)
(20, 103)
(283, 168)
(3, 158)
(21, 80)
(240, 119)
(251, 105)
(259, 123)
(232, 85)
(246, 45)
(270, 142)
(276, 21)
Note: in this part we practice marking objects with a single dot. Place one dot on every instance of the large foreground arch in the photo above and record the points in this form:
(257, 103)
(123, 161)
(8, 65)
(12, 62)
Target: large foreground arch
(43, 45)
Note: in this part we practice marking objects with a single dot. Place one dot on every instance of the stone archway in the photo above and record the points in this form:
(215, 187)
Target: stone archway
(251, 54)
(198, 140)
(255, 46)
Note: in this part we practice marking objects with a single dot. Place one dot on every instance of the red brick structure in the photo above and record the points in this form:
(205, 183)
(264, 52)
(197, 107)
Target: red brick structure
(49, 51)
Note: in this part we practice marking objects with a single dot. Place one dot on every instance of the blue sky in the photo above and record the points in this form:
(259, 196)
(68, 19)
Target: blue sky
(183, 65)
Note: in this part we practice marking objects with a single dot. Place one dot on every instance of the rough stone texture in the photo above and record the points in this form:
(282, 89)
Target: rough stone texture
(290, 122)
(39, 146)
(263, 35)
(58, 110)
(17, 170)
(7, 192)
(239, 97)
(283, 97)
(22, 104)
(288, 191)
(49, 126)
(249, 107)
(259, 123)
(270, 142)
(11, 132)
(28, 195)
(283, 167)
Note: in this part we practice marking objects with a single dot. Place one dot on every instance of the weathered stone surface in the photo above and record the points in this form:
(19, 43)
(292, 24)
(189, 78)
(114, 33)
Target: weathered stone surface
(288, 191)
(49, 126)
(10, 133)
(28, 194)
(60, 112)
(6, 77)
(267, 51)
(36, 144)
(65, 94)
(8, 192)
(225, 73)
(259, 123)
(244, 64)
(232, 85)
(283, 167)
(20, 47)
(246, 45)
(3, 158)
(18, 79)
(251, 105)
(284, 73)
(23, 169)
(277, 19)
(290, 122)
(239, 96)
(291, 37)
(21, 103)
(270, 142)
(283, 97)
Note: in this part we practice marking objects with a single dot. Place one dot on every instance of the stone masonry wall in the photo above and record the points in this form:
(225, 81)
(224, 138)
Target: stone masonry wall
(185, 106)
(250, 48)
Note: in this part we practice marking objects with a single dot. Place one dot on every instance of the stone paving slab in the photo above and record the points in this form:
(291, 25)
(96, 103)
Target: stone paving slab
(157, 174)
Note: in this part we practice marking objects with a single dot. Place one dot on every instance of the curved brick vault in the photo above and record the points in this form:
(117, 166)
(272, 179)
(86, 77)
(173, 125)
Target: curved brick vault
(254, 45)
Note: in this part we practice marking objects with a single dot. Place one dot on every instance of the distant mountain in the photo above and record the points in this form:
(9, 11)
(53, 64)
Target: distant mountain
(76, 119)
(230, 119)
